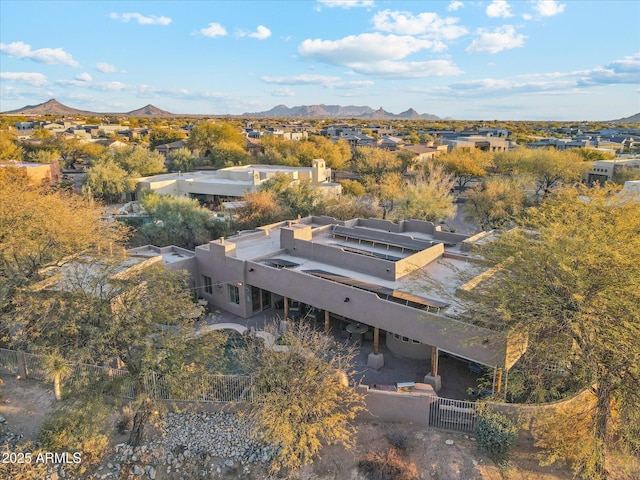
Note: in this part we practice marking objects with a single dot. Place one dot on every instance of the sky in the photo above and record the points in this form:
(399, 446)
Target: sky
(567, 60)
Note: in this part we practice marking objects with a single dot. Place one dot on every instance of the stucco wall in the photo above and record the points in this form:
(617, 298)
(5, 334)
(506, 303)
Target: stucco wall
(384, 406)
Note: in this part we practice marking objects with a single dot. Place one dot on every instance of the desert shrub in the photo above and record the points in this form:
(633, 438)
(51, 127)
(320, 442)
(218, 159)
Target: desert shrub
(399, 439)
(78, 429)
(495, 434)
(387, 465)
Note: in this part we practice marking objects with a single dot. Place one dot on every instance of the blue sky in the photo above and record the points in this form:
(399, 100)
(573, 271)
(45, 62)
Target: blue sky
(505, 60)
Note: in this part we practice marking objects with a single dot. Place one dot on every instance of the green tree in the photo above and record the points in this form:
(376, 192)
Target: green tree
(306, 397)
(261, 208)
(136, 161)
(465, 165)
(108, 181)
(181, 160)
(179, 221)
(571, 278)
(205, 136)
(44, 156)
(352, 188)
(428, 197)
(374, 163)
(386, 189)
(549, 168)
(228, 154)
(162, 136)
(496, 202)
(40, 228)
(9, 148)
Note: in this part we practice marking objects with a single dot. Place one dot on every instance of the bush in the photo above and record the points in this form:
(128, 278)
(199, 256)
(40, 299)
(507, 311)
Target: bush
(399, 439)
(495, 434)
(387, 466)
(77, 430)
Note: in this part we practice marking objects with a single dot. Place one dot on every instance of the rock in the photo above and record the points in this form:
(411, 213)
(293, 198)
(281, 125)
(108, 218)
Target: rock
(137, 470)
(2, 419)
(152, 473)
(448, 442)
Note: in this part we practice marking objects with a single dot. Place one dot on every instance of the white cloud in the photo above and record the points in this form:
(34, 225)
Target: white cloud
(366, 47)
(261, 33)
(502, 38)
(548, 8)
(36, 79)
(304, 79)
(282, 92)
(108, 68)
(427, 24)
(527, 16)
(214, 30)
(84, 77)
(499, 9)
(455, 5)
(626, 70)
(42, 55)
(141, 19)
(354, 84)
(346, 3)
(394, 69)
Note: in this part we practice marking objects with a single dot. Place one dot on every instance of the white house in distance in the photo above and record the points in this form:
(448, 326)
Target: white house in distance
(234, 182)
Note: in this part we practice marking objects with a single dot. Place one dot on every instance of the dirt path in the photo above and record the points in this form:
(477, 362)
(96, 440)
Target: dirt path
(25, 403)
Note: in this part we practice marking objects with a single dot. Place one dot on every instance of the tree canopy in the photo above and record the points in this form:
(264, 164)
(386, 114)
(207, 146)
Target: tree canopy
(569, 279)
(178, 221)
(306, 399)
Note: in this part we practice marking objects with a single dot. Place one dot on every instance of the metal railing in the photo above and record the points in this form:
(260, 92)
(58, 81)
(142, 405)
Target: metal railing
(453, 414)
(195, 388)
(8, 361)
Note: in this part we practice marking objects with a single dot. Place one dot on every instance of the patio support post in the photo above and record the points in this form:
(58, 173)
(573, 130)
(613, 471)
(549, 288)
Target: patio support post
(434, 361)
(433, 378)
(498, 380)
(327, 322)
(286, 308)
(376, 340)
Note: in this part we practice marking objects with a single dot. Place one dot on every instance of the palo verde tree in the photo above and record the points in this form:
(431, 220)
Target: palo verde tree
(95, 312)
(41, 227)
(427, 197)
(570, 277)
(465, 165)
(305, 399)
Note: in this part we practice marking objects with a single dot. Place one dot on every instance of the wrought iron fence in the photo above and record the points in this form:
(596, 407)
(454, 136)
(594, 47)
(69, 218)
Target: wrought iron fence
(453, 414)
(198, 388)
(8, 361)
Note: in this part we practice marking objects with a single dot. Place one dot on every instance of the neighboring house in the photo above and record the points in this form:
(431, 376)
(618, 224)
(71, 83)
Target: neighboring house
(603, 170)
(391, 143)
(36, 172)
(167, 148)
(234, 182)
(473, 142)
(367, 272)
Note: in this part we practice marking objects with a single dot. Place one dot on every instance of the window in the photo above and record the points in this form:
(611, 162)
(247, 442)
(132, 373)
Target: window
(234, 294)
(206, 283)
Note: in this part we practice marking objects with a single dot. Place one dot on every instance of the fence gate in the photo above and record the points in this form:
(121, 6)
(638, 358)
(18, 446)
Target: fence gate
(453, 414)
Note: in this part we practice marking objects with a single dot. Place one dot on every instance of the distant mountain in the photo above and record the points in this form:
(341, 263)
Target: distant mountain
(632, 119)
(51, 107)
(54, 107)
(337, 111)
(149, 111)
